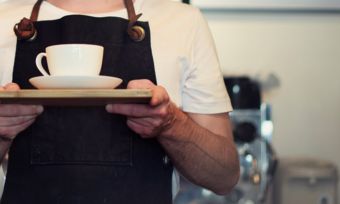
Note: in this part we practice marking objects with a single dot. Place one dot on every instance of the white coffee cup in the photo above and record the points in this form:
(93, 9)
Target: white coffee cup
(71, 60)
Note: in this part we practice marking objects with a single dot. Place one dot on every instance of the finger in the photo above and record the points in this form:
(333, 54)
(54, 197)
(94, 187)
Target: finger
(11, 132)
(139, 129)
(159, 96)
(131, 110)
(149, 122)
(26, 124)
(13, 121)
(140, 84)
(20, 110)
(12, 87)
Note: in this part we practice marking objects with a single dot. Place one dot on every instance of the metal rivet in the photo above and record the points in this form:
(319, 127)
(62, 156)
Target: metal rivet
(25, 30)
(33, 37)
(138, 33)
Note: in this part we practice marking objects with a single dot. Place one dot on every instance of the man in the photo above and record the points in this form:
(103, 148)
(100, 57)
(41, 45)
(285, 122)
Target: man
(186, 119)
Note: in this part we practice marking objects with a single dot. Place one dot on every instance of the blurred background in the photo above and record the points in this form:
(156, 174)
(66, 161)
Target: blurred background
(291, 50)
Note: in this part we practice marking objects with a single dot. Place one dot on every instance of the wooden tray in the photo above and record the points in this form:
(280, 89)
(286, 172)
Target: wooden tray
(75, 97)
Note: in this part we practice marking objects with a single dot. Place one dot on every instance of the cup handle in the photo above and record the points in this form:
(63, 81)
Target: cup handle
(39, 64)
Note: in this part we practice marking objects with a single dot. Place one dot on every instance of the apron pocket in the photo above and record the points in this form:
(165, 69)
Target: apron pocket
(86, 135)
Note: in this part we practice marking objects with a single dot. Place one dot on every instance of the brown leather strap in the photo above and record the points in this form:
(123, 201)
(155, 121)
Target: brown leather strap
(131, 12)
(137, 33)
(35, 11)
(25, 29)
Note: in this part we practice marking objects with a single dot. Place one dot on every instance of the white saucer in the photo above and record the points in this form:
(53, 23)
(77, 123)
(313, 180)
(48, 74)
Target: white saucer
(75, 82)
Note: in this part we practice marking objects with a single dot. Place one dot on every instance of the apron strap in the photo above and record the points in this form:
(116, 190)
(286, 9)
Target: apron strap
(135, 32)
(25, 29)
(35, 10)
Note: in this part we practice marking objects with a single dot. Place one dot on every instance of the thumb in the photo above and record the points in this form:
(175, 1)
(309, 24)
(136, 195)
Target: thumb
(12, 87)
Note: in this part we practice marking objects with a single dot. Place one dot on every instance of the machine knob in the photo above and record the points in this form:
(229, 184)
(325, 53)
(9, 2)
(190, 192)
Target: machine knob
(245, 132)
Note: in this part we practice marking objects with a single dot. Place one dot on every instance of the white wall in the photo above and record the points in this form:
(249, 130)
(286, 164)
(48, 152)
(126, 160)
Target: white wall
(303, 51)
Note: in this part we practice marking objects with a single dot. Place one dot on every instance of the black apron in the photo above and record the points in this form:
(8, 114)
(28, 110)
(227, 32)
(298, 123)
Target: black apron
(85, 155)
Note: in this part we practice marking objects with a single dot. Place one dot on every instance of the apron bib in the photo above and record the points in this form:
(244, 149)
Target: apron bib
(84, 154)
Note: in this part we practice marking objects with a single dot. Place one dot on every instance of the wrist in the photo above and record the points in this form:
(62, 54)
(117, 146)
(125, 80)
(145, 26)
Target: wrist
(178, 125)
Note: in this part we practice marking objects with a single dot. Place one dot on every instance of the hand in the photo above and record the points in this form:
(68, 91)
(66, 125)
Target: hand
(16, 118)
(150, 120)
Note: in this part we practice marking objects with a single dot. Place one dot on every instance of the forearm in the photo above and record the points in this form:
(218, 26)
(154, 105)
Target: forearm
(205, 158)
(200, 145)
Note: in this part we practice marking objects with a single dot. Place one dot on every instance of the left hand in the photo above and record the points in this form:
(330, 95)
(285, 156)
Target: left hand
(150, 120)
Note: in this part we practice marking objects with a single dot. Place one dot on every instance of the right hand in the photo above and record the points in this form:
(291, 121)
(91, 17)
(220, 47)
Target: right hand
(16, 118)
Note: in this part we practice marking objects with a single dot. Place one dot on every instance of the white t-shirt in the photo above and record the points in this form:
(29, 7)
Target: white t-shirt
(185, 59)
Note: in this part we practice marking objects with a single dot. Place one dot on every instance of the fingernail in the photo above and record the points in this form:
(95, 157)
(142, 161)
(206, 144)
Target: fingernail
(109, 108)
(40, 109)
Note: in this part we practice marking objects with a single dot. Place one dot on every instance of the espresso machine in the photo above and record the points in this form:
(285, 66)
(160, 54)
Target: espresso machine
(252, 128)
